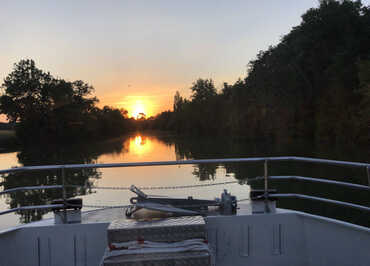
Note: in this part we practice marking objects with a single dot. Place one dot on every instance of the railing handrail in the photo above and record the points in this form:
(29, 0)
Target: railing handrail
(12, 190)
(184, 162)
(308, 197)
(32, 207)
(311, 179)
(203, 161)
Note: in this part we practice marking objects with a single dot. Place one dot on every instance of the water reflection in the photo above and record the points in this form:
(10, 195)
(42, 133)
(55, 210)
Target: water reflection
(139, 141)
(140, 145)
(205, 171)
(161, 147)
(237, 147)
(48, 156)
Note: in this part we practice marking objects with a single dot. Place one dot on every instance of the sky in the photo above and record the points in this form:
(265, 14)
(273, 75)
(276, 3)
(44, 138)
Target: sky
(137, 54)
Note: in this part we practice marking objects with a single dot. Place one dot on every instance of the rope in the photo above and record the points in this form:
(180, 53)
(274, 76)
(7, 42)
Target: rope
(168, 187)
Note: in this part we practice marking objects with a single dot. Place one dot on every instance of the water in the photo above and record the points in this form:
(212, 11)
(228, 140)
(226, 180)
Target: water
(142, 147)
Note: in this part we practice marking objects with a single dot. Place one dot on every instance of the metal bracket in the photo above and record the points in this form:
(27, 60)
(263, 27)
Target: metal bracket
(138, 192)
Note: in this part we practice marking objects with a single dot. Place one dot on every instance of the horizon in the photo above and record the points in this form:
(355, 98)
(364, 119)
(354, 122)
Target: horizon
(138, 55)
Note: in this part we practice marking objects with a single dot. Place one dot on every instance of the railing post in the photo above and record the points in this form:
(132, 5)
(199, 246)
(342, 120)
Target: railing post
(267, 209)
(64, 195)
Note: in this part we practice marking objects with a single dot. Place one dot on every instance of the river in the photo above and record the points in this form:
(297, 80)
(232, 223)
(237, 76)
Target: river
(144, 146)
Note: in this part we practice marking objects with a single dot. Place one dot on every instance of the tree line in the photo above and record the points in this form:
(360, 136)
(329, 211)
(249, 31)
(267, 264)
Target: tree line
(45, 109)
(314, 84)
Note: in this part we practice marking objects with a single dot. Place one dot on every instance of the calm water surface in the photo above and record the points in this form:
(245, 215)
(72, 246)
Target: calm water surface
(142, 147)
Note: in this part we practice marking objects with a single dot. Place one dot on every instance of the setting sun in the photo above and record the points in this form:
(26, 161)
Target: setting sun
(138, 108)
(136, 105)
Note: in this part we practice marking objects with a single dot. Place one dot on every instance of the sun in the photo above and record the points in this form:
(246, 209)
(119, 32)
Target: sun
(137, 109)
(137, 105)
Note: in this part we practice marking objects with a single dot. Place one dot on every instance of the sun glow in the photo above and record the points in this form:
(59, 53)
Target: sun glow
(137, 106)
(138, 109)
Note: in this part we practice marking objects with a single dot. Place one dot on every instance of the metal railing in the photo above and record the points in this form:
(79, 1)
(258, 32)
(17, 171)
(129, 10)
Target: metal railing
(314, 180)
(184, 162)
(265, 178)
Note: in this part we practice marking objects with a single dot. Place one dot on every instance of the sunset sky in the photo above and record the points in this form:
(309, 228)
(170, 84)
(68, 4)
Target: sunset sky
(138, 53)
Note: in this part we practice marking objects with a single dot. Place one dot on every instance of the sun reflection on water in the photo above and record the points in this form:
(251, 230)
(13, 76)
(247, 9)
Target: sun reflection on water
(138, 140)
(140, 145)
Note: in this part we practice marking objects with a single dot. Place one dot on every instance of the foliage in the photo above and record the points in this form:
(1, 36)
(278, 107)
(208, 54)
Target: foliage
(203, 90)
(49, 109)
(314, 84)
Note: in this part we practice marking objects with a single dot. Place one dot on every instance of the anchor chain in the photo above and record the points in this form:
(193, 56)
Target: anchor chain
(126, 206)
(156, 188)
(105, 206)
(168, 187)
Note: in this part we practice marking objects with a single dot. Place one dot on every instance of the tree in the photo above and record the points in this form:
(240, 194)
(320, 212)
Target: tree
(178, 101)
(312, 85)
(141, 116)
(25, 90)
(203, 89)
(51, 109)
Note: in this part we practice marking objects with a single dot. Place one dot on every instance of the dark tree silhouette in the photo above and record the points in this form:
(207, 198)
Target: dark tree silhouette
(313, 85)
(48, 109)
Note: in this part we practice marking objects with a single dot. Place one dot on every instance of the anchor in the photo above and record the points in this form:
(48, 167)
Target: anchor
(180, 206)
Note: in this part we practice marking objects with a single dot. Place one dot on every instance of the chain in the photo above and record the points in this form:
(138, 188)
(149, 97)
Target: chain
(158, 188)
(168, 187)
(243, 199)
(106, 206)
(126, 206)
